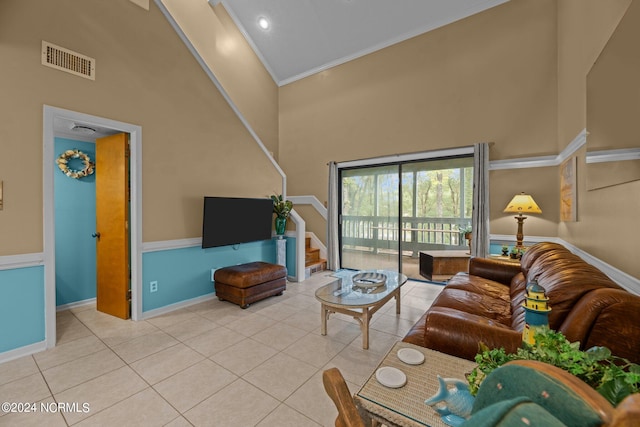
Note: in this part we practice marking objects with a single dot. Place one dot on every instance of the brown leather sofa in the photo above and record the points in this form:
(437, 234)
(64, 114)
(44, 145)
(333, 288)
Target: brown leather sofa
(486, 306)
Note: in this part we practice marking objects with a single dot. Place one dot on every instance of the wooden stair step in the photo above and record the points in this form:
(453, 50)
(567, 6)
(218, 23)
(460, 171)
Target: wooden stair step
(319, 265)
(312, 255)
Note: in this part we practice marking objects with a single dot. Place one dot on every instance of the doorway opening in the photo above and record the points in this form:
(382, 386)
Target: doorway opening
(52, 117)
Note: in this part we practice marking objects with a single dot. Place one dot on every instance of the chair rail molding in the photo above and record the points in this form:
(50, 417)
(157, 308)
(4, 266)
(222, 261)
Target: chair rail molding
(542, 161)
(9, 262)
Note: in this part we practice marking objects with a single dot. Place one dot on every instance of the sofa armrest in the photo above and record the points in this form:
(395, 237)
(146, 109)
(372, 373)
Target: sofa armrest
(457, 333)
(494, 269)
(606, 317)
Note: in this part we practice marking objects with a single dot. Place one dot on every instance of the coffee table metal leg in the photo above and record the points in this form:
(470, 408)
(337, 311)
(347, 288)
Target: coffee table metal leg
(398, 301)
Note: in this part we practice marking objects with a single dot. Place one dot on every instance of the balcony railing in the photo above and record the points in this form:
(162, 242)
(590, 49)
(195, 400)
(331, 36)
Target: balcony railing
(373, 233)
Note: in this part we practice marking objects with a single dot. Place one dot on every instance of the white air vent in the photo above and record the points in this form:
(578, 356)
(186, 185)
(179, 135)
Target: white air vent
(66, 60)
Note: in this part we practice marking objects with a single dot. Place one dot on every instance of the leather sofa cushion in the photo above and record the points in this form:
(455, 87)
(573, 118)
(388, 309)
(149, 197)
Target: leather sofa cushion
(566, 278)
(477, 296)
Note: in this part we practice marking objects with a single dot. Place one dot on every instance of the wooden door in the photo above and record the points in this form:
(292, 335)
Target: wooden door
(112, 225)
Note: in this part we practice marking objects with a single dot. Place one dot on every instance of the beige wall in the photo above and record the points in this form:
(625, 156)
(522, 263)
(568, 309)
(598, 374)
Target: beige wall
(193, 144)
(605, 215)
(514, 75)
(490, 77)
(223, 47)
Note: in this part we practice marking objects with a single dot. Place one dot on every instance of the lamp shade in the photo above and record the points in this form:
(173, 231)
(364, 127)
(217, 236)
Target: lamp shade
(522, 203)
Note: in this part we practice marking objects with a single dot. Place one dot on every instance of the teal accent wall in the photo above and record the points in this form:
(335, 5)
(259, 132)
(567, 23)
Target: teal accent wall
(75, 214)
(21, 307)
(185, 273)
(291, 256)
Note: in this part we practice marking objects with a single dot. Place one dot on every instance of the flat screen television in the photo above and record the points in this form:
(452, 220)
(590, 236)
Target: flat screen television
(233, 220)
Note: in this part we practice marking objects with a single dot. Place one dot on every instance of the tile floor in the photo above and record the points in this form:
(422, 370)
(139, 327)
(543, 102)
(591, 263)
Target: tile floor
(211, 364)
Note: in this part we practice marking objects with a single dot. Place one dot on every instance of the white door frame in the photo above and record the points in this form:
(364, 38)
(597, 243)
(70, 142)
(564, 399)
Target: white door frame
(49, 236)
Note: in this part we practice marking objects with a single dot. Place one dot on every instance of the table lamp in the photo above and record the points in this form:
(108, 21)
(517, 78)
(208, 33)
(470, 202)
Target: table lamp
(521, 203)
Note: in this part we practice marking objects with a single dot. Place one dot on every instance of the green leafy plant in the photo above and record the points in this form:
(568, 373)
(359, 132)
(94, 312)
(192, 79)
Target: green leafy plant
(282, 208)
(464, 229)
(613, 377)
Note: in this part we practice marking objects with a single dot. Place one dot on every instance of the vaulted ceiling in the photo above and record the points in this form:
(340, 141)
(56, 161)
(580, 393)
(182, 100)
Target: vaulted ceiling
(304, 37)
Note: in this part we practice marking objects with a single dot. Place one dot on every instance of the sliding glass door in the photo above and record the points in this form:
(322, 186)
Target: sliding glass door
(389, 213)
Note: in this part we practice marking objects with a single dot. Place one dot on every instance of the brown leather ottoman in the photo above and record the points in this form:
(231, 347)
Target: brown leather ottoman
(246, 283)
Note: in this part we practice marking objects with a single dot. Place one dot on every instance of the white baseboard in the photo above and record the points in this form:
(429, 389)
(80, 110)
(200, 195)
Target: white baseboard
(23, 351)
(76, 304)
(182, 304)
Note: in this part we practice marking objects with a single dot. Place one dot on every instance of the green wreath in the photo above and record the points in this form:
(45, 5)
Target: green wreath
(63, 162)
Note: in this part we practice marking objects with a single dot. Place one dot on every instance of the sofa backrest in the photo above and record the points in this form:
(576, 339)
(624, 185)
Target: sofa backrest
(565, 277)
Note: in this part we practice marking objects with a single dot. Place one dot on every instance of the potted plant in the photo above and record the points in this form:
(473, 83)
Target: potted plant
(465, 231)
(613, 377)
(282, 209)
(515, 253)
(505, 250)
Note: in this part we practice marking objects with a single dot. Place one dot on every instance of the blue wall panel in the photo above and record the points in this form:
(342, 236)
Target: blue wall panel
(185, 273)
(21, 307)
(75, 214)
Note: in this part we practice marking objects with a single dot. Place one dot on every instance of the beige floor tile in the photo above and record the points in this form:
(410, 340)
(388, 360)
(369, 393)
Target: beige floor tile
(165, 363)
(340, 330)
(187, 388)
(214, 340)
(145, 408)
(391, 324)
(314, 349)
(312, 401)
(83, 369)
(279, 311)
(65, 352)
(251, 325)
(356, 364)
(18, 368)
(280, 365)
(242, 357)
(224, 313)
(179, 422)
(280, 335)
(269, 376)
(172, 318)
(38, 418)
(102, 392)
(83, 307)
(111, 330)
(190, 328)
(26, 389)
(308, 319)
(302, 301)
(285, 416)
(69, 328)
(238, 404)
(144, 346)
(379, 342)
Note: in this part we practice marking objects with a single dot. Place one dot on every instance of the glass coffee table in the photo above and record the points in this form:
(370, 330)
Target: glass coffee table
(359, 294)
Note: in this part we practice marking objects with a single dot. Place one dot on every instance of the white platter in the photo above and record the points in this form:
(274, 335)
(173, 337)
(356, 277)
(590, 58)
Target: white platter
(410, 356)
(391, 377)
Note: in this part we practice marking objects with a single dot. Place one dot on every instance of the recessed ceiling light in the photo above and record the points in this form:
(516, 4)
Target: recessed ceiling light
(263, 23)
